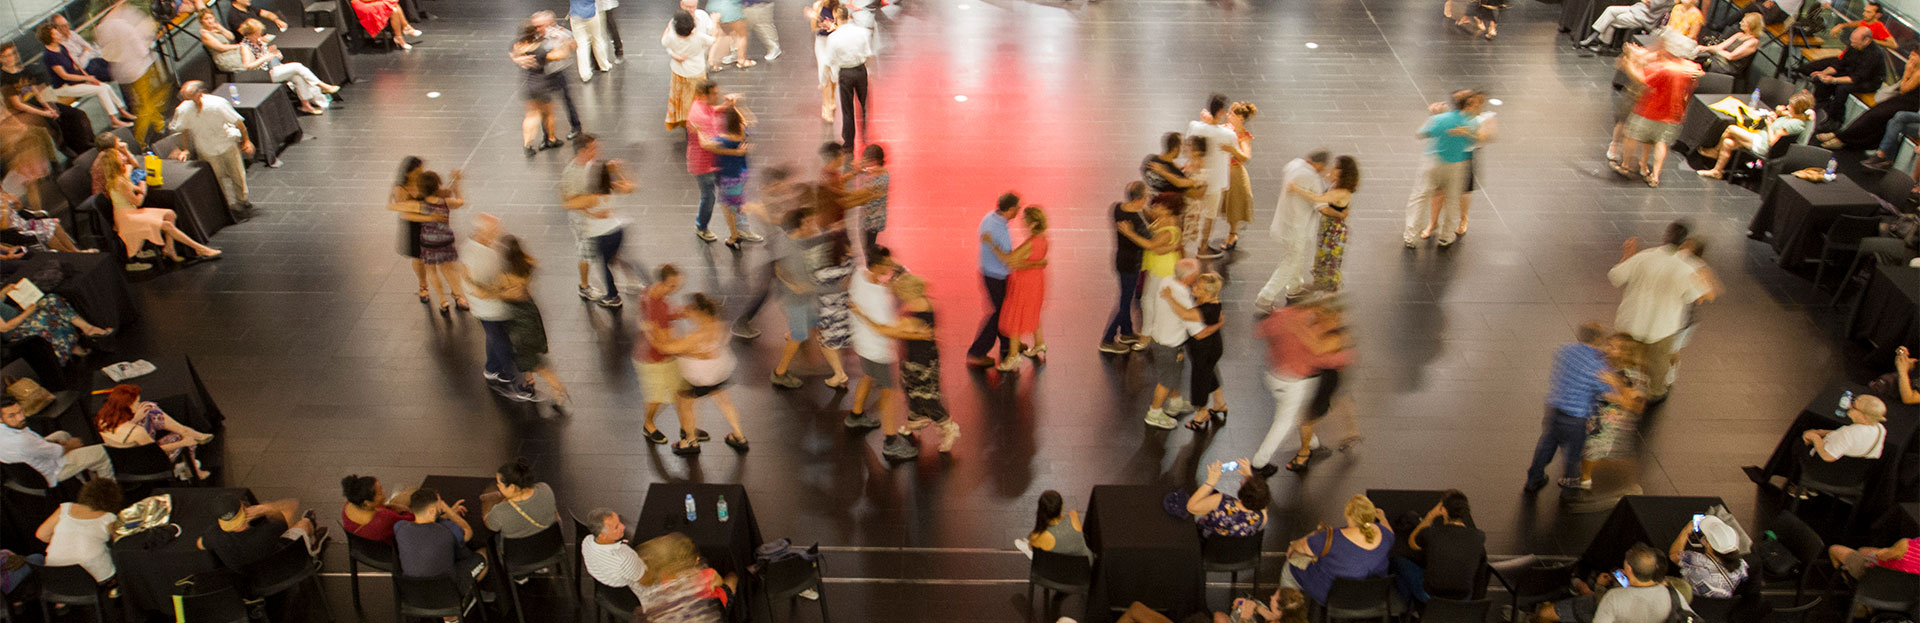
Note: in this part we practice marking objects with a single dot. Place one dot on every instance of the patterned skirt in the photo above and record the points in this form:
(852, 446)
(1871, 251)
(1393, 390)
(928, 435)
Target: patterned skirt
(51, 320)
(920, 381)
(679, 99)
(833, 320)
(1326, 259)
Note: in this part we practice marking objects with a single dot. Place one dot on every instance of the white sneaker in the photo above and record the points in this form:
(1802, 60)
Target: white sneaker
(1158, 419)
(705, 235)
(774, 54)
(727, 60)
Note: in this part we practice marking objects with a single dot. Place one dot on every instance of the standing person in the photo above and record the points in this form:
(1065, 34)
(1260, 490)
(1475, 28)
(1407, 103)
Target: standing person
(1334, 209)
(1443, 173)
(868, 291)
(1669, 80)
(829, 265)
(919, 369)
(1026, 291)
(705, 144)
(1658, 286)
(585, 186)
(606, 8)
(1488, 130)
(217, 135)
(1160, 250)
(560, 40)
(399, 198)
(1328, 340)
(1173, 321)
(1300, 345)
(1129, 222)
(1578, 381)
(780, 195)
(848, 50)
(1221, 142)
(1615, 422)
(732, 33)
(1295, 220)
(1238, 206)
(706, 364)
(659, 373)
(589, 37)
(526, 332)
(793, 271)
(760, 16)
(730, 159)
(1204, 351)
(820, 18)
(437, 241)
(533, 52)
(995, 241)
(127, 35)
(686, 50)
(867, 191)
(484, 263)
(1159, 171)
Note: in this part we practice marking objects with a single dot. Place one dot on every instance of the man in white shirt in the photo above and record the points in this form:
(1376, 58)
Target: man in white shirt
(1659, 284)
(1197, 228)
(877, 352)
(218, 136)
(1865, 438)
(1296, 226)
(57, 456)
(484, 264)
(848, 50)
(606, 553)
(1169, 325)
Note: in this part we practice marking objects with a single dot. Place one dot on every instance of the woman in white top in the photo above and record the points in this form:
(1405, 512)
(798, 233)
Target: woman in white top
(256, 53)
(1864, 438)
(706, 363)
(79, 532)
(687, 45)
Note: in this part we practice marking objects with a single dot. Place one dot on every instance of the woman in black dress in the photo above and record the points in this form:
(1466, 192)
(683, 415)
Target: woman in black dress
(525, 329)
(919, 369)
(404, 200)
(1204, 351)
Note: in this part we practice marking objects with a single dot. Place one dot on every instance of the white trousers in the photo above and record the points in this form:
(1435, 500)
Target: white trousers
(1289, 401)
(594, 48)
(1447, 178)
(109, 96)
(760, 17)
(1295, 271)
(305, 85)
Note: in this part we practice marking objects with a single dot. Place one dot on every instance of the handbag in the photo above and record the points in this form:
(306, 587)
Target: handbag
(28, 392)
(1679, 612)
(1326, 545)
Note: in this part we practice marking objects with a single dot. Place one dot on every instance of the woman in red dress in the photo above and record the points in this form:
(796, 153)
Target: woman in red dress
(1026, 290)
(379, 15)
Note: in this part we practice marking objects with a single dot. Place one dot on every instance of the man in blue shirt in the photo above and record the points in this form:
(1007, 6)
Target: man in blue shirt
(994, 241)
(1443, 179)
(1579, 380)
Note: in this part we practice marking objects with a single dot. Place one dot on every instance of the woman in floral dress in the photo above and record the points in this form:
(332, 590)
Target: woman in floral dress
(49, 318)
(1333, 222)
(1611, 431)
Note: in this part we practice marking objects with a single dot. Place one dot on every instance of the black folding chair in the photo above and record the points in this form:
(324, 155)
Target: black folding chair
(1882, 589)
(1795, 158)
(1776, 92)
(285, 570)
(615, 602)
(70, 585)
(1059, 574)
(1810, 552)
(1529, 583)
(376, 555)
(23, 478)
(1443, 610)
(141, 468)
(223, 605)
(63, 401)
(1844, 480)
(434, 598)
(1233, 555)
(1844, 235)
(786, 578)
(580, 533)
(526, 557)
(1710, 84)
(1366, 598)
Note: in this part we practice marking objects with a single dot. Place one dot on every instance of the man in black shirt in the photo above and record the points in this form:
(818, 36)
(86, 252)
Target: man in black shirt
(1449, 550)
(249, 534)
(1858, 69)
(243, 10)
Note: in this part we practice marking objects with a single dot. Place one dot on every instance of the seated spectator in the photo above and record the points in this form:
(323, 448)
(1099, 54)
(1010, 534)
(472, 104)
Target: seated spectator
(369, 513)
(1222, 514)
(14, 569)
(1864, 438)
(520, 507)
(1642, 14)
(1286, 605)
(677, 586)
(78, 533)
(242, 10)
(1447, 552)
(384, 15)
(50, 319)
(434, 544)
(126, 421)
(1869, 19)
(250, 534)
(137, 225)
(1357, 551)
(606, 553)
(25, 89)
(1685, 18)
(1734, 55)
(1857, 70)
(104, 165)
(1868, 129)
(29, 229)
(1785, 122)
(1717, 570)
(57, 456)
(70, 80)
(83, 53)
(222, 45)
(1899, 384)
(1902, 557)
(256, 53)
(1639, 592)
(1057, 532)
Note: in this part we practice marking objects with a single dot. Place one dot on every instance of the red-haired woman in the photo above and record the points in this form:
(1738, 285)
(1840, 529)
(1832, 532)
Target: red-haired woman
(126, 421)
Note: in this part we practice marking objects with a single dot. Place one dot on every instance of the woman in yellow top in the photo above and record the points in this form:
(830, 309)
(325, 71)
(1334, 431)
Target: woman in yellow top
(1686, 18)
(1161, 246)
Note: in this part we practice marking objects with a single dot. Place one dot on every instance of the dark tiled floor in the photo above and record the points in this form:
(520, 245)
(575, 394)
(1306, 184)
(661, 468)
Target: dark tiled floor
(311, 339)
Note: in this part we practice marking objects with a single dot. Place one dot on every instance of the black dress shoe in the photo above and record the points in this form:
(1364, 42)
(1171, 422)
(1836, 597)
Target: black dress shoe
(1267, 471)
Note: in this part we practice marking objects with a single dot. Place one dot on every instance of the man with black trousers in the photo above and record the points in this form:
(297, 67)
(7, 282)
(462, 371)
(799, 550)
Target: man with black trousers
(1858, 69)
(848, 50)
(1579, 379)
(994, 241)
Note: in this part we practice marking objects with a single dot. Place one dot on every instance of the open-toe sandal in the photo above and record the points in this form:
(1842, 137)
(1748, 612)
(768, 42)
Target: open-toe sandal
(653, 436)
(425, 297)
(737, 442)
(685, 448)
(1299, 462)
(744, 63)
(1199, 424)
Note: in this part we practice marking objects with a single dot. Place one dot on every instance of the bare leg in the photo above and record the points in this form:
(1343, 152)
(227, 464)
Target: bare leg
(1464, 196)
(833, 361)
(689, 422)
(740, 43)
(547, 119)
(167, 422)
(288, 509)
(653, 409)
(1659, 162)
(826, 101)
(529, 132)
(891, 419)
(860, 392)
(553, 382)
(173, 235)
(420, 271)
(721, 42)
(1012, 361)
(1160, 393)
(786, 356)
(733, 220)
(398, 24)
(731, 414)
(450, 273)
(437, 279)
(1206, 235)
(62, 242)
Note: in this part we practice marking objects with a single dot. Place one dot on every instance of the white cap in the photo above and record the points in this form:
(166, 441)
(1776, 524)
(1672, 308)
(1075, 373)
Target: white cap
(1720, 537)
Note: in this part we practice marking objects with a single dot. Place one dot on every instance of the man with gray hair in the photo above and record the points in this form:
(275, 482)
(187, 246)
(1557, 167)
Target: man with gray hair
(606, 553)
(1169, 325)
(1296, 226)
(217, 134)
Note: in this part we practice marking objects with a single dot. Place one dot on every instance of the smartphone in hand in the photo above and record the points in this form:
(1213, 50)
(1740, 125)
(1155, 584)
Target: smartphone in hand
(1621, 577)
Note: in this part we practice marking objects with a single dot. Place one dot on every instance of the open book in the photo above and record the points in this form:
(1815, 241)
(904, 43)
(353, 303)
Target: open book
(25, 293)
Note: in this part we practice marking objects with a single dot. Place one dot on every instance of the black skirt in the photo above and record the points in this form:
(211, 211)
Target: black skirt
(410, 239)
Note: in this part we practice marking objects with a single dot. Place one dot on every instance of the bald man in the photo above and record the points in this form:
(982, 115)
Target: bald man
(1858, 69)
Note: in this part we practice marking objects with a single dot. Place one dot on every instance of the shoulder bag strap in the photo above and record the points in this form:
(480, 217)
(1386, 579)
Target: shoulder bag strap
(523, 513)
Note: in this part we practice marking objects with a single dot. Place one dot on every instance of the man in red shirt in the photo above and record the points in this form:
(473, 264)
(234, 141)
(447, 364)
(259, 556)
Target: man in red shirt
(659, 373)
(1668, 78)
(1294, 362)
(1870, 20)
(703, 126)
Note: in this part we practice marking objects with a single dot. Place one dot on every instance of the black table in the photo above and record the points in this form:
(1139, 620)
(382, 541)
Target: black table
(729, 547)
(453, 489)
(1901, 522)
(1141, 554)
(1404, 509)
(1888, 314)
(320, 50)
(94, 285)
(1703, 125)
(1650, 519)
(1798, 212)
(148, 565)
(175, 385)
(272, 122)
(194, 195)
(1883, 476)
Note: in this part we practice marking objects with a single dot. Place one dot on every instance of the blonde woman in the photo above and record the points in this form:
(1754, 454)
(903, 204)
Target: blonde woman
(1734, 54)
(137, 225)
(676, 585)
(256, 53)
(1782, 122)
(1203, 352)
(1026, 291)
(1356, 551)
(1238, 205)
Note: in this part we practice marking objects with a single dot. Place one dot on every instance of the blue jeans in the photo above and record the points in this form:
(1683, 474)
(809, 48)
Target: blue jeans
(1122, 323)
(709, 186)
(1562, 432)
(608, 246)
(499, 351)
(1904, 124)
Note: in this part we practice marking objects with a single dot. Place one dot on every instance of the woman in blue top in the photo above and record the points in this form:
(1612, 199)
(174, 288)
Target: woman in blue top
(1356, 551)
(70, 80)
(730, 156)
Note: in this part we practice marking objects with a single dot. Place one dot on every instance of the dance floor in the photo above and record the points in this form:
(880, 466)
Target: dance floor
(324, 363)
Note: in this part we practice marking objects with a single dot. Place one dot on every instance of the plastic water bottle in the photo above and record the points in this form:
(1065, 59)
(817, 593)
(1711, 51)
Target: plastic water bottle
(233, 92)
(720, 508)
(1831, 166)
(1754, 102)
(691, 513)
(1846, 403)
